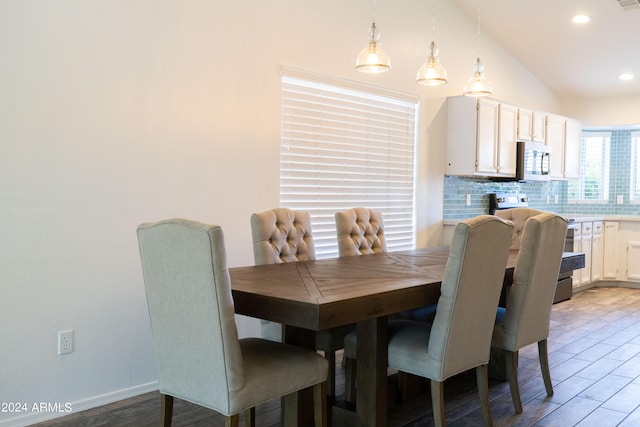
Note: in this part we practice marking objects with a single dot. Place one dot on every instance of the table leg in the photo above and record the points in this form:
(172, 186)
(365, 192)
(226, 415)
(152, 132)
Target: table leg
(371, 401)
(298, 410)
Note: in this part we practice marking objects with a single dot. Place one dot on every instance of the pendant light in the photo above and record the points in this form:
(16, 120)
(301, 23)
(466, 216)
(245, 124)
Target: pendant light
(373, 58)
(478, 85)
(432, 73)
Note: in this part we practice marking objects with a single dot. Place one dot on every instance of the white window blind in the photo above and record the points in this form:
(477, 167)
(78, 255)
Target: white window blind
(635, 167)
(593, 185)
(347, 145)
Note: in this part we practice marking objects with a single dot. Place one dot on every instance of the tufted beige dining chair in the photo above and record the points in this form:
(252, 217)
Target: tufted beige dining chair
(525, 320)
(518, 216)
(360, 231)
(460, 337)
(284, 235)
(199, 356)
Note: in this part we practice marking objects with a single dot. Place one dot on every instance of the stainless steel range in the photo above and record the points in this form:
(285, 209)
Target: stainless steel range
(501, 201)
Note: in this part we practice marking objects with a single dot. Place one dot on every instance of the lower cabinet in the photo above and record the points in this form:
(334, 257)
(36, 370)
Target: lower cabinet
(609, 253)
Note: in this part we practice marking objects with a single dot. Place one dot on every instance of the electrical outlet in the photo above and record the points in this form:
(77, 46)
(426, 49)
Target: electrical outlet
(555, 199)
(65, 342)
(620, 199)
(468, 199)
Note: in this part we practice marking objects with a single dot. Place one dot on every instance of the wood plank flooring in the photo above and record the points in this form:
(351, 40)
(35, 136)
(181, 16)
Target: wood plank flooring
(594, 351)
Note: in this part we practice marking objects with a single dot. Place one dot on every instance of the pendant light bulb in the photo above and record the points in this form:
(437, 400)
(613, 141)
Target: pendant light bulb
(432, 73)
(373, 58)
(477, 85)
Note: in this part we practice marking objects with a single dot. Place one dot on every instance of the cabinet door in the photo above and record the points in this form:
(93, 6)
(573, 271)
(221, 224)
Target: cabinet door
(596, 258)
(610, 247)
(487, 147)
(633, 260)
(555, 141)
(538, 127)
(507, 124)
(525, 119)
(572, 142)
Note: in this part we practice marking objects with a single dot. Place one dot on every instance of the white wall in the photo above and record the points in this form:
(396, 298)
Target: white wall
(114, 112)
(609, 111)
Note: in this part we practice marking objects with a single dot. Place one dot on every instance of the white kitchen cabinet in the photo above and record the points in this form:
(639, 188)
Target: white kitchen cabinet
(531, 125)
(563, 137)
(610, 251)
(555, 142)
(572, 142)
(481, 137)
(582, 244)
(596, 252)
(633, 260)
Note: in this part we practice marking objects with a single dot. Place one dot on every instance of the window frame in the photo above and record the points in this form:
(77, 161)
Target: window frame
(605, 169)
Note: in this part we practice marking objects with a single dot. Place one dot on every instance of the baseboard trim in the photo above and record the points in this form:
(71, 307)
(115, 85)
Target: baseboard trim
(81, 405)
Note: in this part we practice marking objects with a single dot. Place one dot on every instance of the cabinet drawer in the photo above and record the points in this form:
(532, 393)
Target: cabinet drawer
(597, 227)
(587, 228)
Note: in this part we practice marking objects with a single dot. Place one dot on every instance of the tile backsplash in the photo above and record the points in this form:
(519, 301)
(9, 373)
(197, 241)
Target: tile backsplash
(542, 195)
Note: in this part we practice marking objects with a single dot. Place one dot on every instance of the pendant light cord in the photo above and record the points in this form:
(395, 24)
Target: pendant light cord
(478, 36)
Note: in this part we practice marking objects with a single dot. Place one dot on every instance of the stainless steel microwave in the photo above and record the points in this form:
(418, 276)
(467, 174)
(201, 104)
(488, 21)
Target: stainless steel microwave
(532, 161)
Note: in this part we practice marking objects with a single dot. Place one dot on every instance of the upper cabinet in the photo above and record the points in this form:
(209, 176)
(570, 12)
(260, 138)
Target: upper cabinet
(563, 138)
(531, 125)
(481, 138)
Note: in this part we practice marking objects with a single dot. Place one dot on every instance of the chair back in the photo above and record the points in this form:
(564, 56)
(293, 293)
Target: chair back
(191, 311)
(518, 216)
(282, 235)
(528, 308)
(360, 231)
(460, 337)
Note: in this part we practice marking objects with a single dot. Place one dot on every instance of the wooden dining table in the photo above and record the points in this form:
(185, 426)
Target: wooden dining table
(364, 290)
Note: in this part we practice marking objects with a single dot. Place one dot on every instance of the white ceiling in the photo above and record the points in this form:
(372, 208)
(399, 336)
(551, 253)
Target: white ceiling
(573, 60)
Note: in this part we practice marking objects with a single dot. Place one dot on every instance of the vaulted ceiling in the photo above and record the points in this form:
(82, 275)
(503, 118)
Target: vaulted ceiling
(578, 61)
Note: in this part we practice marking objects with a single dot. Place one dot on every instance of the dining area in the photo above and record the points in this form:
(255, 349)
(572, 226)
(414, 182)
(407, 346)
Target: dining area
(368, 301)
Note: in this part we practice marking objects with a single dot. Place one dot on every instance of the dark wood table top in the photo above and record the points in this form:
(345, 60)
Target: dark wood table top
(314, 294)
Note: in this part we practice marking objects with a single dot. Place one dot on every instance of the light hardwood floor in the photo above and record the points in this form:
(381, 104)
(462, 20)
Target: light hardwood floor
(594, 351)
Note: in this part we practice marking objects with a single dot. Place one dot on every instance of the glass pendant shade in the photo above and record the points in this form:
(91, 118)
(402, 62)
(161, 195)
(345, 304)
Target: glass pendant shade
(477, 85)
(432, 73)
(373, 58)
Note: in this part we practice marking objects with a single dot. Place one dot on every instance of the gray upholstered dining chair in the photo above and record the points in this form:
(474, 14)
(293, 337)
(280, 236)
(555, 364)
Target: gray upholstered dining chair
(360, 231)
(525, 320)
(284, 235)
(460, 337)
(199, 355)
(518, 216)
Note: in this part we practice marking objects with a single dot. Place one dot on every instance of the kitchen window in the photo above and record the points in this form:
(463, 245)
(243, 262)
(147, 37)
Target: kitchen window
(635, 167)
(344, 145)
(593, 185)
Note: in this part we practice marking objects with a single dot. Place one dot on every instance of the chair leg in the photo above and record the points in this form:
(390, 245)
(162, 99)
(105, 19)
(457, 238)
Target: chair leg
(250, 417)
(166, 409)
(482, 379)
(331, 378)
(437, 402)
(320, 404)
(232, 421)
(544, 366)
(512, 376)
(350, 381)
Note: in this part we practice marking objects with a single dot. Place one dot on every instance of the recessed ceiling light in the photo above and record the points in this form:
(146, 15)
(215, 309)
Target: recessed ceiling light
(626, 76)
(581, 19)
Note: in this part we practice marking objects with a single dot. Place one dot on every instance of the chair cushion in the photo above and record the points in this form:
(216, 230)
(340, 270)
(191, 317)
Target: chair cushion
(518, 216)
(273, 370)
(282, 235)
(360, 231)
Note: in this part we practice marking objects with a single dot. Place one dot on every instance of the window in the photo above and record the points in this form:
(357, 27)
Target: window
(635, 167)
(345, 145)
(593, 185)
